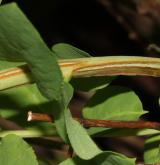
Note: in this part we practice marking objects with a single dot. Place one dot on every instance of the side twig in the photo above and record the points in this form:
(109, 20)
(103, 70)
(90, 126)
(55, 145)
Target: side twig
(98, 123)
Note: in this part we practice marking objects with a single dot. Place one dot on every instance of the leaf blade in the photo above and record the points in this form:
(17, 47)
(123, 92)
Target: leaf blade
(67, 51)
(113, 103)
(152, 150)
(82, 144)
(10, 154)
(106, 158)
(23, 43)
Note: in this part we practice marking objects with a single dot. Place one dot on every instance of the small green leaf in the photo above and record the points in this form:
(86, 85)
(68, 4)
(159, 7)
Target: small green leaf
(14, 150)
(113, 103)
(152, 150)
(105, 158)
(67, 51)
(154, 47)
(81, 142)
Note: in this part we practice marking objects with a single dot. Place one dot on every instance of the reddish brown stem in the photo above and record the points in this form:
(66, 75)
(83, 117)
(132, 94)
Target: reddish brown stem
(98, 123)
(118, 124)
(39, 117)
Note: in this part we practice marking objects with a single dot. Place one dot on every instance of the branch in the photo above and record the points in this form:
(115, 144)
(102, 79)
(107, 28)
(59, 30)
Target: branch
(98, 123)
(87, 67)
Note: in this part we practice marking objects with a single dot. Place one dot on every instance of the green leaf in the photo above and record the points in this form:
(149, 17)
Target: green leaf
(69, 128)
(91, 83)
(43, 162)
(154, 47)
(16, 39)
(152, 150)
(14, 150)
(52, 161)
(33, 132)
(0, 1)
(16, 102)
(59, 111)
(81, 142)
(105, 158)
(7, 64)
(67, 51)
(67, 94)
(24, 43)
(117, 132)
(113, 103)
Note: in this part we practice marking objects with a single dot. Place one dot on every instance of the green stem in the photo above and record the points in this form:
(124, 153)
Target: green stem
(32, 133)
(88, 67)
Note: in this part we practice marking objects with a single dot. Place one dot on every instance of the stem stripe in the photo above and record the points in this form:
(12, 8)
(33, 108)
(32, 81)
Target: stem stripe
(87, 67)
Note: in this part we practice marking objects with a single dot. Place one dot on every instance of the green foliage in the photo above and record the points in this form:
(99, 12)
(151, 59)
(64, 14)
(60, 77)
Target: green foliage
(8, 64)
(84, 84)
(105, 158)
(75, 131)
(59, 111)
(16, 102)
(67, 51)
(14, 150)
(80, 140)
(86, 148)
(119, 132)
(22, 44)
(152, 150)
(113, 103)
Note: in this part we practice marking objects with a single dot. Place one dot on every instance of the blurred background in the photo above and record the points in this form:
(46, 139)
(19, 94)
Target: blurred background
(104, 28)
